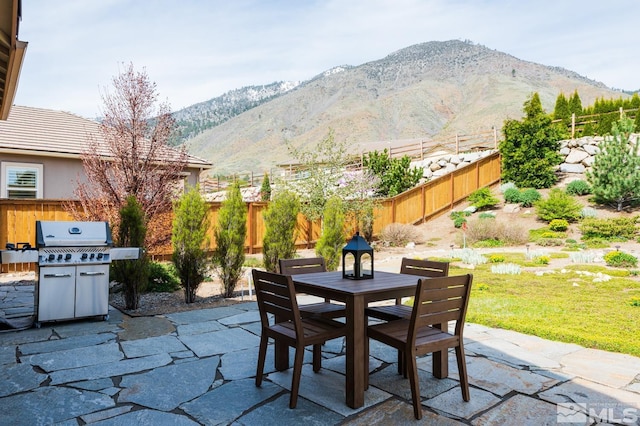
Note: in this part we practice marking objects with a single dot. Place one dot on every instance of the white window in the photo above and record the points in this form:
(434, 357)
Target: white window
(21, 180)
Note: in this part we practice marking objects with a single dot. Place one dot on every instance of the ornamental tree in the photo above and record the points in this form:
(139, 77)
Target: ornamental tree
(530, 147)
(615, 174)
(132, 158)
(395, 174)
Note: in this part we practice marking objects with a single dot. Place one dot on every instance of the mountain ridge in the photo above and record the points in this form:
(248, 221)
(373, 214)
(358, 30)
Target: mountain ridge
(429, 90)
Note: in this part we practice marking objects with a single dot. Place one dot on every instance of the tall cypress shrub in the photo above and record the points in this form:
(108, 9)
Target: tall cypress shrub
(132, 274)
(230, 233)
(332, 239)
(189, 237)
(280, 220)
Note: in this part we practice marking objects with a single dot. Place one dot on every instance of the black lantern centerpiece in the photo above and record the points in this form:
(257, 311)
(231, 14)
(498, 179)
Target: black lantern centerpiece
(357, 259)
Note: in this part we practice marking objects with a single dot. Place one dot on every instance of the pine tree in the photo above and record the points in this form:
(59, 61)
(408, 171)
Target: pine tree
(561, 110)
(332, 239)
(132, 274)
(280, 220)
(230, 233)
(530, 147)
(575, 104)
(265, 188)
(615, 174)
(189, 238)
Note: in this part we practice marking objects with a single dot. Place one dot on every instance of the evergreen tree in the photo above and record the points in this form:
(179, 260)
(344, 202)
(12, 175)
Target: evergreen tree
(230, 233)
(395, 174)
(575, 104)
(636, 122)
(561, 110)
(265, 188)
(280, 220)
(530, 147)
(189, 238)
(615, 175)
(132, 274)
(332, 239)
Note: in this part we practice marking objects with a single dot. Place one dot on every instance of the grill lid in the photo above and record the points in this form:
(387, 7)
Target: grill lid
(70, 233)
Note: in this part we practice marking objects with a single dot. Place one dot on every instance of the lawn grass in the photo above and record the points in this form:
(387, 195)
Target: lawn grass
(565, 307)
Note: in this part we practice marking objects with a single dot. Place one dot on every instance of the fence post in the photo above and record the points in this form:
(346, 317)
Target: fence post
(621, 112)
(421, 150)
(573, 125)
(457, 144)
(250, 227)
(495, 137)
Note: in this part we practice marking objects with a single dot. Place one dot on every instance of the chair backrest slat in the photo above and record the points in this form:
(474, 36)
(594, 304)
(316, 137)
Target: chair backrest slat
(440, 300)
(275, 294)
(303, 265)
(424, 268)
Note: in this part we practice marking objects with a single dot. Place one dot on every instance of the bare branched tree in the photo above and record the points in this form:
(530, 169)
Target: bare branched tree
(131, 156)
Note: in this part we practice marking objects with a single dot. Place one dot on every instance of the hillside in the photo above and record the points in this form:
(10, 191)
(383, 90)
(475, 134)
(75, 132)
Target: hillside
(426, 91)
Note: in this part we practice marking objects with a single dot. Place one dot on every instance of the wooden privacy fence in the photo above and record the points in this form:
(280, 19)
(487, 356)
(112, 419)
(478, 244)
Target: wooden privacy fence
(417, 205)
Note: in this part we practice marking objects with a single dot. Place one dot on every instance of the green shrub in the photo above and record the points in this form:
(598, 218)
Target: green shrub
(483, 198)
(512, 195)
(578, 187)
(280, 220)
(507, 185)
(163, 278)
(558, 205)
(595, 243)
(494, 233)
(542, 260)
(549, 242)
(459, 218)
(620, 259)
(230, 233)
(558, 225)
(332, 239)
(608, 229)
(485, 287)
(487, 215)
(588, 212)
(634, 301)
(490, 243)
(529, 197)
(496, 258)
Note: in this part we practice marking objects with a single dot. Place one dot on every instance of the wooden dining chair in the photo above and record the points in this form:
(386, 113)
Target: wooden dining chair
(437, 301)
(310, 265)
(418, 267)
(276, 295)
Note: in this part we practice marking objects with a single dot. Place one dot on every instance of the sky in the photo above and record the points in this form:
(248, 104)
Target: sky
(195, 50)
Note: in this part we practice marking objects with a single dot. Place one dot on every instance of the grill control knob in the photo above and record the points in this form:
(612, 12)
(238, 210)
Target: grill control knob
(92, 255)
(59, 257)
(84, 256)
(52, 257)
(99, 256)
(67, 256)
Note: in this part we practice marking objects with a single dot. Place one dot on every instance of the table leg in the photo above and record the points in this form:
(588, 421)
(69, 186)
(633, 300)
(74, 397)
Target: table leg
(441, 358)
(356, 335)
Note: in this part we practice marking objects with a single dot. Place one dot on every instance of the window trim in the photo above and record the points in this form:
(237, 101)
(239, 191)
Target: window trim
(5, 166)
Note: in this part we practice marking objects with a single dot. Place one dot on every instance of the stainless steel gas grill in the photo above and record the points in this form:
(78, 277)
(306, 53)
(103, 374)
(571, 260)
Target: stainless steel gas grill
(73, 269)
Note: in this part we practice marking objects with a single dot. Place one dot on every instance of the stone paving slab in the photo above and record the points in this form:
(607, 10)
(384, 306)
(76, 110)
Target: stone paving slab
(68, 343)
(226, 403)
(147, 417)
(144, 327)
(398, 413)
(390, 381)
(451, 402)
(101, 371)
(520, 409)
(75, 358)
(79, 328)
(594, 396)
(202, 315)
(277, 413)
(165, 388)
(240, 319)
(50, 405)
(505, 351)
(8, 354)
(18, 378)
(152, 346)
(613, 369)
(326, 388)
(220, 342)
(200, 328)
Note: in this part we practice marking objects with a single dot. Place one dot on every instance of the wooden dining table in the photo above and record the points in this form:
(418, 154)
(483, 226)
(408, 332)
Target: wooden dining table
(357, 294)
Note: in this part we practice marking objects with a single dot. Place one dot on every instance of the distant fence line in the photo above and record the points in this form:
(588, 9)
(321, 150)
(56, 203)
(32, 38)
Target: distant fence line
(579, 122)
(417, 151)
(417, 205)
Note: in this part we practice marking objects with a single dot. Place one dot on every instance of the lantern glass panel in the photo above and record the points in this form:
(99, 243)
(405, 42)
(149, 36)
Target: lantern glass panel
(349, 264)
(366, 264)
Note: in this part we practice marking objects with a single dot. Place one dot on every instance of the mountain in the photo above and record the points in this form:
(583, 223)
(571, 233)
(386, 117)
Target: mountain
(428, 91)
(197, 118)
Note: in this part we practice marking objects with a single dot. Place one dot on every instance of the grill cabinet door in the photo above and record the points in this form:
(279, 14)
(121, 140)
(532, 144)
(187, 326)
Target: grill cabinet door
(92, 290)
(56, 293)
